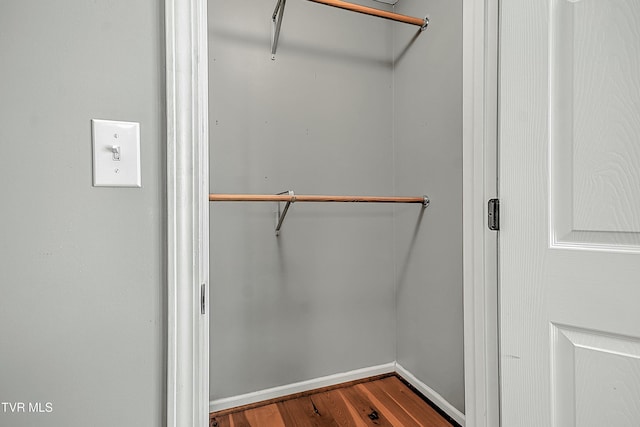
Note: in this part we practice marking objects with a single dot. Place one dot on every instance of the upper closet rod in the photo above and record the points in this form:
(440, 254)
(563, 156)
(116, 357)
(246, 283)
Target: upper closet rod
(276, 18)
(420, 22)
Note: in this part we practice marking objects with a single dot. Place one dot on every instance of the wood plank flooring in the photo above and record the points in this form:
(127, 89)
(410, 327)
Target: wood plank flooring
(384, 401)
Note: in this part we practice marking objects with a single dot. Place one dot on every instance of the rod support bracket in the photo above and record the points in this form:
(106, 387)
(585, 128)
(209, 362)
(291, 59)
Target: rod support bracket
(276, 23)
(425, 202)
(282, 213)
(426, 23)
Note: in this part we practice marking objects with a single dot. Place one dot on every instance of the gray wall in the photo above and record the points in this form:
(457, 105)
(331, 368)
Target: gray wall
(351, 105)
(428, 157)
(81, 268)
(320, 298)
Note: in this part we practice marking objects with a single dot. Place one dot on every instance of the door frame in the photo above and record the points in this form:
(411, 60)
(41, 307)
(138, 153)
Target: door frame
(480, 183)
(187, 388)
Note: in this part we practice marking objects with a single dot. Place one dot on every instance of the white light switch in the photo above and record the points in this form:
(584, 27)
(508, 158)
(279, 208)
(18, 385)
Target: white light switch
(116, 153)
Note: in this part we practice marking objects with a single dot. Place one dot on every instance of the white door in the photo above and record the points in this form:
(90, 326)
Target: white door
(569, 137)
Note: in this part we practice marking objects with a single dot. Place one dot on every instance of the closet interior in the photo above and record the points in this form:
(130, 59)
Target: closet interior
(334, 103)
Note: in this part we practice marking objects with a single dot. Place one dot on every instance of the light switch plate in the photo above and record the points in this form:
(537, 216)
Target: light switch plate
(116, 153)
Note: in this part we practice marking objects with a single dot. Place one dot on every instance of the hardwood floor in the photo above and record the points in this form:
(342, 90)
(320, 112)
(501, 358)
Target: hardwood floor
(384, 401)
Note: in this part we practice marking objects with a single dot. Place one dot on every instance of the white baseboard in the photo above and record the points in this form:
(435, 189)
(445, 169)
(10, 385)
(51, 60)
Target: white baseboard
(431, 394)
(358, 374)
(285, 390)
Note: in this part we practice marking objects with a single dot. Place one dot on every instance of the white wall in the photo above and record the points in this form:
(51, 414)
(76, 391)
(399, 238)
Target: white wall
(428, 157)
(320, 298)
(81, 268)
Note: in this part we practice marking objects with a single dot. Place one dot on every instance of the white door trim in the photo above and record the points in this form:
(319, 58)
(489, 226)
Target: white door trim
(187, 213)
(480, 245)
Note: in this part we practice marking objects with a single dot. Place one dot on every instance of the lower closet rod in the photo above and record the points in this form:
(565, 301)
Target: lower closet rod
(313, 198)
(290, 197)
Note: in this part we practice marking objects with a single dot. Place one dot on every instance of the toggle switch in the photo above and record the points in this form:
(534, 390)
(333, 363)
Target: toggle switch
(116, 153)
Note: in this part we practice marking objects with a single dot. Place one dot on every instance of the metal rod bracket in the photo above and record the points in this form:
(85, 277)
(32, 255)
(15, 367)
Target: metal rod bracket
(425, 202)
(282, 213)
(276, 23)
(426, 23)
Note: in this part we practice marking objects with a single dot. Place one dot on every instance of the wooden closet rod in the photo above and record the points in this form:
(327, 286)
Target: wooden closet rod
(313, 198)
(276, 18)
(420, 22)
(290, 197)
